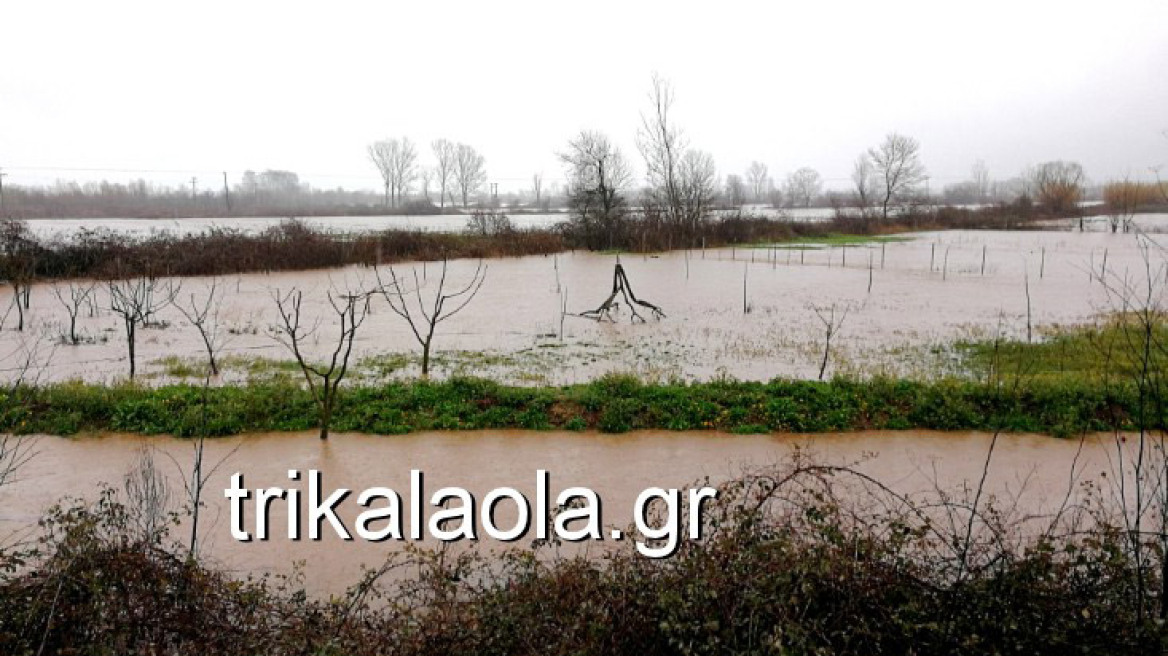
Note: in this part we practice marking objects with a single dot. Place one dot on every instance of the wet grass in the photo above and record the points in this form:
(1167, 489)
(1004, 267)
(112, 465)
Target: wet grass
(1109, 350)
(1061, 406)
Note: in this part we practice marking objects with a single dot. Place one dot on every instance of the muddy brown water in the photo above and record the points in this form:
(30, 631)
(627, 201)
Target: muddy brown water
(1032, 468)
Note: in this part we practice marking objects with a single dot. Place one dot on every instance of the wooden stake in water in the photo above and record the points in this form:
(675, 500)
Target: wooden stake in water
(932, 256)
(1029, 323)
(745, 271)
(945, 271)
(845, 262)
(1042, 264)
(802, 252)
(1103, 271)
(869, 273)
(983, 255)
(882, 255)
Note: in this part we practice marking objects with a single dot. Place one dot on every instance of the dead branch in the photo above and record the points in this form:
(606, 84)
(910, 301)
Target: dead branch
(622, 286)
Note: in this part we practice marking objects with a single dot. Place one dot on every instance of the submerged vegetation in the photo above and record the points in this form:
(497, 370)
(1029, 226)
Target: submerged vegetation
(1110, 349)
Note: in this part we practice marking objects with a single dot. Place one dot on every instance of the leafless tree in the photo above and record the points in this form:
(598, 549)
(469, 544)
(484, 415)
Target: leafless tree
(1058, 185)
(1123, 198)
(203, 315)
(425, 175)
(832, 319)
(980, 176)
(735, 190)
(134, 301)
(864, 181)
(756, 177)
(445, 153)
(396, 161)
(430, 313)
(597, 176)
(803, 186)
(196, 482)
(470, 171)
(78, 294)
(662, 145)
(698, 184)
(18, 264)
(148, 497)
(537, 188)
(351, 308)
(898, 167)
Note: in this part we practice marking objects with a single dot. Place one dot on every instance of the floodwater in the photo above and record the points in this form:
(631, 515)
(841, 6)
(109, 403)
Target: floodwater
(745, 313)
(339, 224)
(1036, 472)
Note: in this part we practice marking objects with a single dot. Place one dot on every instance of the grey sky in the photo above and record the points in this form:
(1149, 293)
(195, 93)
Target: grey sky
(213, 86)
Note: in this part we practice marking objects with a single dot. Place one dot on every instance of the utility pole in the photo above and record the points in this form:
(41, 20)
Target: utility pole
(226, 193)
(193, 192)
(2, 174)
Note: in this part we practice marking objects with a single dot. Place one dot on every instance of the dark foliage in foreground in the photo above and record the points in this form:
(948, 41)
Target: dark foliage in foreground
(787, 566)
(611, 404)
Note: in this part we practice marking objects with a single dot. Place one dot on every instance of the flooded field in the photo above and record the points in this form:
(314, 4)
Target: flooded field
(341, 224)
(1037, 472)
(747, 313)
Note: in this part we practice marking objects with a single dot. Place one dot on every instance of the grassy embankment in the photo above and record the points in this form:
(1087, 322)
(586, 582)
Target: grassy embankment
(1072, 380)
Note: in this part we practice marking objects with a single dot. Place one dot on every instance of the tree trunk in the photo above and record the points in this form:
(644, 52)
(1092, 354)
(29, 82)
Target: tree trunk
(130, 330)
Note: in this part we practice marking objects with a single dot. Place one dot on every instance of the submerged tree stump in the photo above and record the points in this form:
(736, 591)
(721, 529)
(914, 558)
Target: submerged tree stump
(621, 285)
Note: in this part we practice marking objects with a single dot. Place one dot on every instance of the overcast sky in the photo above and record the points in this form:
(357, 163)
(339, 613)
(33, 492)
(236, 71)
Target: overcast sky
(208, 86)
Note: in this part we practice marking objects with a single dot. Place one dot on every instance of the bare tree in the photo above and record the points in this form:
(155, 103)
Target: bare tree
(832, 320)
(735, 190)
(395, 160)
(203, 314)
(444, 305)
(1058, 185)
(698, 184)
(980, 176)
(425, 175)
(470, 171)
(77, 295)
(597, 176)
(662, 146)
(148, 497)
(134, 300)
(898, 167)
(537, 188)
(756, 177)
(1122, 198)
(803, 186)
(445, 154)
(864, 181)
(19, 365)
(351, 308)
(18, 264)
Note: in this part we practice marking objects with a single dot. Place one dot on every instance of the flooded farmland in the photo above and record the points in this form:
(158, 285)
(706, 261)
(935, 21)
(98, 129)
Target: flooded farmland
(745, 313)
(1035, 472)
